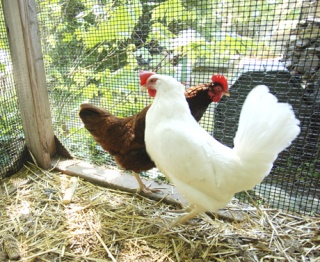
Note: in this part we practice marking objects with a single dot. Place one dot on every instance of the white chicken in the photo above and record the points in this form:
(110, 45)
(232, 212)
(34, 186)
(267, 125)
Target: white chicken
(206, 172)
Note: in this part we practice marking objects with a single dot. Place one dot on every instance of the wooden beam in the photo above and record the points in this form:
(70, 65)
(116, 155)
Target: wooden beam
(116, 179)
(29, 74)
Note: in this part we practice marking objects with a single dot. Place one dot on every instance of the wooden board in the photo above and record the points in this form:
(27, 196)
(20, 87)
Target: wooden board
(126, 182)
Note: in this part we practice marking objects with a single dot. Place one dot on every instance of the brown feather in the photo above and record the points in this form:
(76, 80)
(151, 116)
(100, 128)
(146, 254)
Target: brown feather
(194, 90)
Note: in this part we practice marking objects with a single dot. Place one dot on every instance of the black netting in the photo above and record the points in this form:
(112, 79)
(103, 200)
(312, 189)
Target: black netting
(294, 181)
(12, 146)
(94, 49)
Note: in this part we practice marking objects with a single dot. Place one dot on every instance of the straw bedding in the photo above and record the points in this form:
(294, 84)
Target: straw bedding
(100, 224)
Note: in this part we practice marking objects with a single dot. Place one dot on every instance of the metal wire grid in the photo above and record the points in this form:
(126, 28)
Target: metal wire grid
(94, 49)
(103, 70)
(294, 182)
(12, 146)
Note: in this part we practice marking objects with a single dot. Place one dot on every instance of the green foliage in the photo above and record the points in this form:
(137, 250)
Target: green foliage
(172, 10)
(2, 67)
(10, 122)
(117, 25)
(159, 32)
(94, 49)
(3, 40)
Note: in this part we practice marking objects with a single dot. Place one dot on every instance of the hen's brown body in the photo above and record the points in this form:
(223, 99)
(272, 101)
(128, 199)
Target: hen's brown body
(123, 138)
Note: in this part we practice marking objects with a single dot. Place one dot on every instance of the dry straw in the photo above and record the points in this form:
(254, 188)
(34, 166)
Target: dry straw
(100, 224)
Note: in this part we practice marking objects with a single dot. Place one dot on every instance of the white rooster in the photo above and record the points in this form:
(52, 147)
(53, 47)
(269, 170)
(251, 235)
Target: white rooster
(206, 172)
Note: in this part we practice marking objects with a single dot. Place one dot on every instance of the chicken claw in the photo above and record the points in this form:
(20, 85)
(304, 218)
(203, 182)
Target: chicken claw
(143, 188)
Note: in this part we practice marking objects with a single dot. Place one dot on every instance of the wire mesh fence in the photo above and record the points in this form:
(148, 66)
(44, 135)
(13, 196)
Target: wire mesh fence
(12, 146)
(93, 51)
(293, 183)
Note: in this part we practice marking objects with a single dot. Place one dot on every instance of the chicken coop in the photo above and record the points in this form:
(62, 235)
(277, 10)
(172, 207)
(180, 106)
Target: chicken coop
(64, 198)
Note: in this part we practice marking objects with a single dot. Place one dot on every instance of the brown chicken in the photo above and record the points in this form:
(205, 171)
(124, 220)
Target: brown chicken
(123, 138)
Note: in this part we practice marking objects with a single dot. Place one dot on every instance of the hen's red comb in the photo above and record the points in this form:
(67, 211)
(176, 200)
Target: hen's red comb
(220, 79)
(144, 76)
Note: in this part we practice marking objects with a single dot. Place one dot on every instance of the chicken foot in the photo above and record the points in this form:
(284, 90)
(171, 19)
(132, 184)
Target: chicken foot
(182, 210)
(183, 219)
(142, 187)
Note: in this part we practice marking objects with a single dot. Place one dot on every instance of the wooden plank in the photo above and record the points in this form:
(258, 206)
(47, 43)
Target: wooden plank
(115, 179)
(126, 182)
(29, 74)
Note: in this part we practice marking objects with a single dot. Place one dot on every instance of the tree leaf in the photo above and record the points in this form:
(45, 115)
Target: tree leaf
(159, 32)
(90, 91)
(119, 26)
(171, 10)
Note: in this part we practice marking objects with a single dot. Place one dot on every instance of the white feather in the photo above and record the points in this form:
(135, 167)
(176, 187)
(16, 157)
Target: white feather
(203, 170)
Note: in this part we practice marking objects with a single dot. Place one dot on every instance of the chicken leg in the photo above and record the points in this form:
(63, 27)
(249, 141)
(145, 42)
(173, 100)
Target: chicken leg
(183, 219)
(142, 187)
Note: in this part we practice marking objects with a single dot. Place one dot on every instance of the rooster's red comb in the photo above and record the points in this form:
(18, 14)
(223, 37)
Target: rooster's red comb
(144, 76)
(220, 79)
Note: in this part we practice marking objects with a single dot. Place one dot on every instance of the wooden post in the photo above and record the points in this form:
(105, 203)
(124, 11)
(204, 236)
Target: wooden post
(29, 74)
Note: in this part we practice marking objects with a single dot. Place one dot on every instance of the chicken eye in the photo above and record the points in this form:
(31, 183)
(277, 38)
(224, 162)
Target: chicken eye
(218, 88)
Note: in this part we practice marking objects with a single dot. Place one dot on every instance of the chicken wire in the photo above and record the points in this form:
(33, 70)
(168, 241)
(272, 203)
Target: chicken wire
(294, 180)
(103, 70)
(13, 152)
(93, 51)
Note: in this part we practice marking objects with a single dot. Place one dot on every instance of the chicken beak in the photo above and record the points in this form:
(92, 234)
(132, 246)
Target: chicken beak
(142, 88)
(226, 93)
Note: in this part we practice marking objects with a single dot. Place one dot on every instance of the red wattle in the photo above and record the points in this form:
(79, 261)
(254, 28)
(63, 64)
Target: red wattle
(152, 92)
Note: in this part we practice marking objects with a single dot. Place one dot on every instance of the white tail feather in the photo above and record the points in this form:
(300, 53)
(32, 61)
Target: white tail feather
(266, 127)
